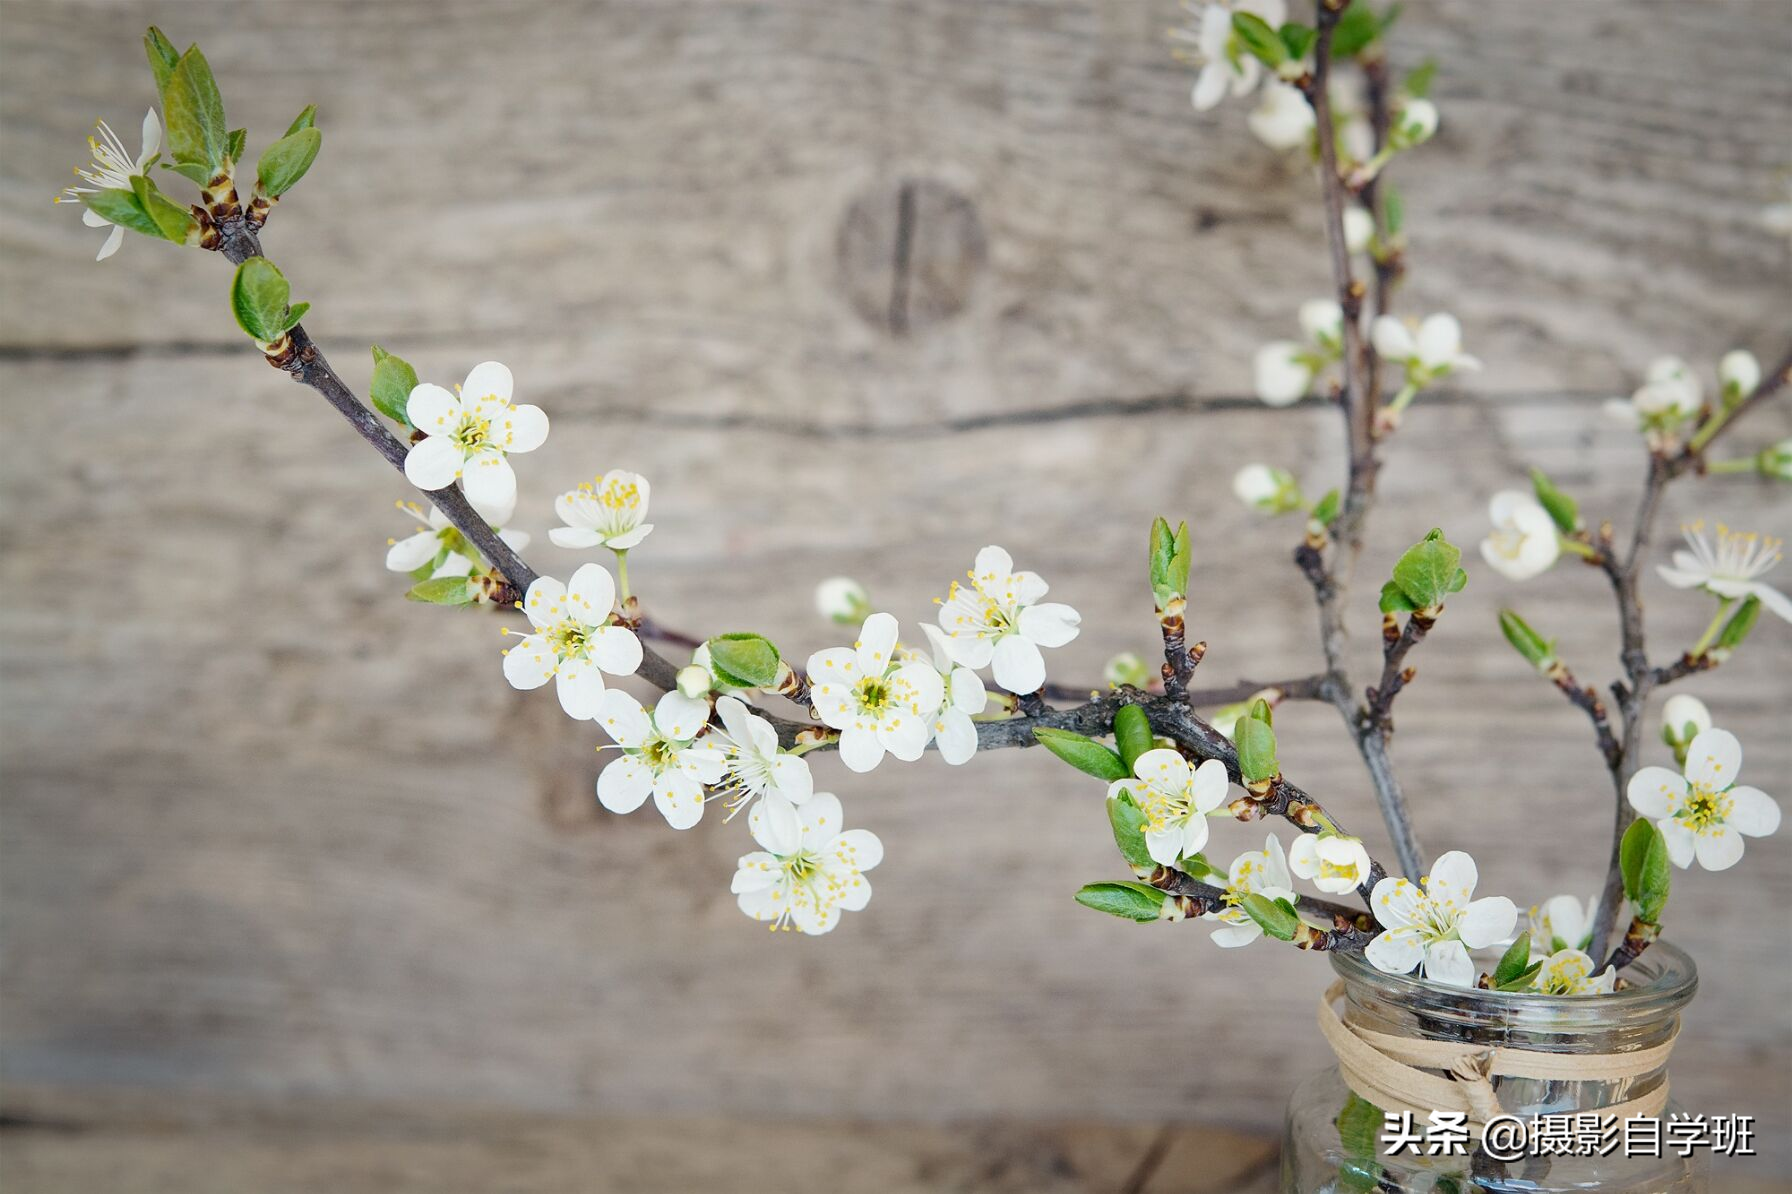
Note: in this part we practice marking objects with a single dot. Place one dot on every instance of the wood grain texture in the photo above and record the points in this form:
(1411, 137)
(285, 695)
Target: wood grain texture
(270, 831)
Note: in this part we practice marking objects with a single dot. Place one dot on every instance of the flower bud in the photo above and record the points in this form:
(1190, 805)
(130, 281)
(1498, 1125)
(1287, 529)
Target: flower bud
(1281, 374)
(1775, 460)
(1739, 373)
(1359, 229)
(842, 599)
(1323, 322)
(1539, 651)
(1416, 124)
(1127, 668)
(1271, 490)
(1335, 863)
(694, 681)
(1683, 718)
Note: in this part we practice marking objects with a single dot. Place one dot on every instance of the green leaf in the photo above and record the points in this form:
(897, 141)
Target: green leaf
(1256, 750)
(1736, 629)
(194, 172)
(285, 161)
(445, 590)
(294, 315)
(1359, 1126)
(1643, 863)
(173, 222)
(1298, 38)
(1170, 556)
(1132, 734)
(1128, 823)
(163, 57)
(239, 141)
(1523, 981)
(1393, 600)
(393, 381)
(1515, 960)
(194, 113)
(259, 296)
(304, 120)
(1132, 901)
(1276, 917)
(1357, 27)
(1428, 572)
(1561, 507)
(1196, 866)
(1393, 208)
(1418, 80)
(1085, 754)
(1325, 510)
(1255, 35)
(123, 208)
(744, 660)
(1541, 652)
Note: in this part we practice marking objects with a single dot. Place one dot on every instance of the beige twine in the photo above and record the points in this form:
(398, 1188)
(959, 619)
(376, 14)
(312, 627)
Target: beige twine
(1390, 1071)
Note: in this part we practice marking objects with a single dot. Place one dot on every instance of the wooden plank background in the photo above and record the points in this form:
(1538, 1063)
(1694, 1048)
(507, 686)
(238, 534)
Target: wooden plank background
(270, 832)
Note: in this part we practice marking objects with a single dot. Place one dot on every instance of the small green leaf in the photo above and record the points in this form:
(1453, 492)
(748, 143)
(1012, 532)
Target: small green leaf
(194, 113)
(1357, 28)
(304, 120)
(1647, 873)
(1196, 866)
(1418, 80)
(1523, 980)
(294, 315)
(259, 297)
(1736, 629)
(1260, 710)
(1561, 507)
(1256, 750)
(744, 660)
(1298, 38)
(445, 590)
(1359, 1126)
(1393, 600)
(1427, 572)
(1132, 734)
(1539, 651)
(1393, 208)
(1085, 754)
(173, 222)
(123, 208)
(1170, 558)
(1262, 42)
(239, 141)
(1515, 960)
(194, 172)
(1325, 510)
(163, 57)
(393, 381)
(1127, 821)
(285, 161)
(1275, 917)
(1131, 901)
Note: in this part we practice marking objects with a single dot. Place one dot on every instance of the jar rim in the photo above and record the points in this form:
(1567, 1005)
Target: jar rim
(1668, 979)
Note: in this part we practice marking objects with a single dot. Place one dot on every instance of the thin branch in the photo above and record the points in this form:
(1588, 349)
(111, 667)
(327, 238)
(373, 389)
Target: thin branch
(1395, 675)
(1589, 701)
(1351, 930)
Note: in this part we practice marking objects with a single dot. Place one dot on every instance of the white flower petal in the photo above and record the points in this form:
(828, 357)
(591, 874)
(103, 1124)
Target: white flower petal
(413, 551)
(956, 735)
(1050, 625)
(624, 785)
(580, 687)
(860, 748)
(486, 477)
(1452, 878)
(1017, 665)
(1653, 791)
(1164, 845)
(876, 645)
(616, 650)
(773, 824)
(1752, 811)
(433, 463)
(1397, 903)
(679, 717)
(591, 594)
(623, 718)
(528, 429)
(574, 537)
(488, 380)
(820, 819)
(1488, 921)
(905, 735)
(431, 409)
(792, 778)
(1718, 849)
(1396, 951)
(679, 799)
(1448, 962)
(1679, 840)
(756, 872)
(529, 663)
(1714, 759)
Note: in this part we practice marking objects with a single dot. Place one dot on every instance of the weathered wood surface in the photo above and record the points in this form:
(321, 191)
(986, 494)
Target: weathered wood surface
(270, 831)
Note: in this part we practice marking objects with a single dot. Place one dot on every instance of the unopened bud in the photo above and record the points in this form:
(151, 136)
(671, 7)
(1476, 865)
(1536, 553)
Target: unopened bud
(1539, 651)
(1739, 373)
(1416, 123)
(842, 599)
(1775, 461)
(694, 681)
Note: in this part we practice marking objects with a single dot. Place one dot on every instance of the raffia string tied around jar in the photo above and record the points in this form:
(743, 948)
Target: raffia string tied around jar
(1407, 1073)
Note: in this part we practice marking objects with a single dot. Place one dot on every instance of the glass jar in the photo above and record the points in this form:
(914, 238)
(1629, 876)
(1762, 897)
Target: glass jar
(1317, 1160)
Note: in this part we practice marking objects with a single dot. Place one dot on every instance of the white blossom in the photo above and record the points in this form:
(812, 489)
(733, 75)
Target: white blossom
(754, 765)
(608, 513)
(469, 435)
(1282, 372)
(842, 600)
(1175, 799)
(1704, 813)
(1562, 922)
(809, 870)
(1000, 622)
(963, 698)
(1524, 542)
(1359, 229)
(1570, 972)
(1271, 490)
(1433, 924)
(1415, 122)
(1335, 863)
(877, 699)
(1683, 718)
(662, 756)
(1432, 351)
(1282, 118)
(574, 642)
(1670, 395)
(1224, 65)
(1260, 872)
(1729, 568)
(1738, 373)
(438, 542)
(112, 169)
(1322, 320)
